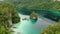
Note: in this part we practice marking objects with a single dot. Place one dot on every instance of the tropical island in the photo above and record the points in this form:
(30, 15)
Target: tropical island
(45, 12)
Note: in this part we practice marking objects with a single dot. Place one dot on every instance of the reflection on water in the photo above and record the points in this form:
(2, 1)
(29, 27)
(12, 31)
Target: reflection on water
(27, 27)
(33, 21)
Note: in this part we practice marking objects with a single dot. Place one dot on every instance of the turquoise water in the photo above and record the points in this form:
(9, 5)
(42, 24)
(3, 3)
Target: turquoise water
(28, 27)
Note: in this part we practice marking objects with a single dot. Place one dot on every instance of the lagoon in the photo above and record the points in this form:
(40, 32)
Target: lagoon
(28, 27)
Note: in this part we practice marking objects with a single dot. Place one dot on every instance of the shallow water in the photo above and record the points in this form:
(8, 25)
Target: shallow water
(27, 27)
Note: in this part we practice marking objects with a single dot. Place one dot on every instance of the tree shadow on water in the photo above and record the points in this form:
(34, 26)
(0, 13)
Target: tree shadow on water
(33, 21)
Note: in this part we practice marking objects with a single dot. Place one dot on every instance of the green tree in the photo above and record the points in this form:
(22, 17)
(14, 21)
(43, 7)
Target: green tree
(8, 16)
(8, 12)
(34, 16)
(40, 4)
(52, 29)
(4, 31)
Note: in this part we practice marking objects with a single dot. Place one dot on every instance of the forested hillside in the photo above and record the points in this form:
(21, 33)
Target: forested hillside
(52, 29)
(9, 13)
(38, 4)
(8, 17)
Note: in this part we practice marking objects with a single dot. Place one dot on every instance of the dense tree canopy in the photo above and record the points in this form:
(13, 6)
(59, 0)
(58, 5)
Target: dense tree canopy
(52, 29)
(8, 12)
(34, 16)
(8, 16)
(4, 31)
(40, 4)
